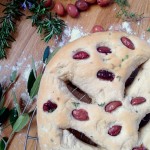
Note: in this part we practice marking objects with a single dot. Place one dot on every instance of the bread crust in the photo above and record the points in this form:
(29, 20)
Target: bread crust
(83, 73)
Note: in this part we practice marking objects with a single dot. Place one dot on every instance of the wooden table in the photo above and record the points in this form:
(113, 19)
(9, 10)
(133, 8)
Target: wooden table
(28, 43)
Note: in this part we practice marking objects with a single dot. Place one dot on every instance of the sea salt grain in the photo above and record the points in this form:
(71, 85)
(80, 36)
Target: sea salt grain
(115, 9)
(15, 68)
(69, 35)
(25, 97)
(124, 26)
(3, 80)
(148, 41)
(38, 64)
(127, 27)
(20, 63)
(76, 33)
(0, 130)
(26, 73)
(28, 68)
(142, 35)
(139, 23)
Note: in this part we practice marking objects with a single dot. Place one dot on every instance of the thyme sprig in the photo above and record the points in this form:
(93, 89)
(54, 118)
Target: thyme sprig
(126, 14)
(8, 25)
(129, 16)
(122, 3)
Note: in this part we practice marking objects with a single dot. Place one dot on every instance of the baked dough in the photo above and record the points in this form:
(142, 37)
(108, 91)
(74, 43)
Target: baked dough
(145, 136)
(110, 129)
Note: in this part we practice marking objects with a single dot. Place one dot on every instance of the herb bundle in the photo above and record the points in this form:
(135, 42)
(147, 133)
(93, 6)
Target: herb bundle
(48, 24)
(14, 117)
(19, 119)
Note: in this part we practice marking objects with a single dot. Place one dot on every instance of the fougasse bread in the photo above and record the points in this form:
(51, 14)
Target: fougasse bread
(100, 64)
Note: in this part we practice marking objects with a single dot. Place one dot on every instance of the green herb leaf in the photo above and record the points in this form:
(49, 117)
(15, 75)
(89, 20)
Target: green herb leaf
(53, 53)
(76, 104)
(148, 29)
(129, 16)
(49, 24)
(2, 110)
(3, 142)
(35, 87)
(31, 81)
(125, 14)
(119, 77)
(52, 26)
(34, 68)
(21, 122)
(46, 54)
(122, 3)
(102, 104)
(16, 104)
(4, 114)
(2, 101)
(125, 58)
(13, 76)
(13, 116)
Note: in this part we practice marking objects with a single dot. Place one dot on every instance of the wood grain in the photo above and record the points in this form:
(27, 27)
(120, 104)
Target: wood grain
(29, 44)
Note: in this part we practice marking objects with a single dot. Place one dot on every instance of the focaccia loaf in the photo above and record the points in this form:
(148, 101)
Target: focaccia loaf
(99, 64)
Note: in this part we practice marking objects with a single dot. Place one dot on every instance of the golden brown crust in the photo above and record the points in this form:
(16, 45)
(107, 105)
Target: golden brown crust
(83, 73)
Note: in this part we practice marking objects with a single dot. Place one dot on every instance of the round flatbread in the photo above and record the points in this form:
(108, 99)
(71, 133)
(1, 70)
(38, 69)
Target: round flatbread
(100, 65)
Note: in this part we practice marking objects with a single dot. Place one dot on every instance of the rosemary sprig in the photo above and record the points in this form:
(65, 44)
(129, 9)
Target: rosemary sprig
(8, 25)
(125, 14)
(148, 29)
(47, 22)
(38, 11)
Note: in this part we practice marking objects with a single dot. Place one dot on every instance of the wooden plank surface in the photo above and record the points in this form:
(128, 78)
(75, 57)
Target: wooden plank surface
(28, 44)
